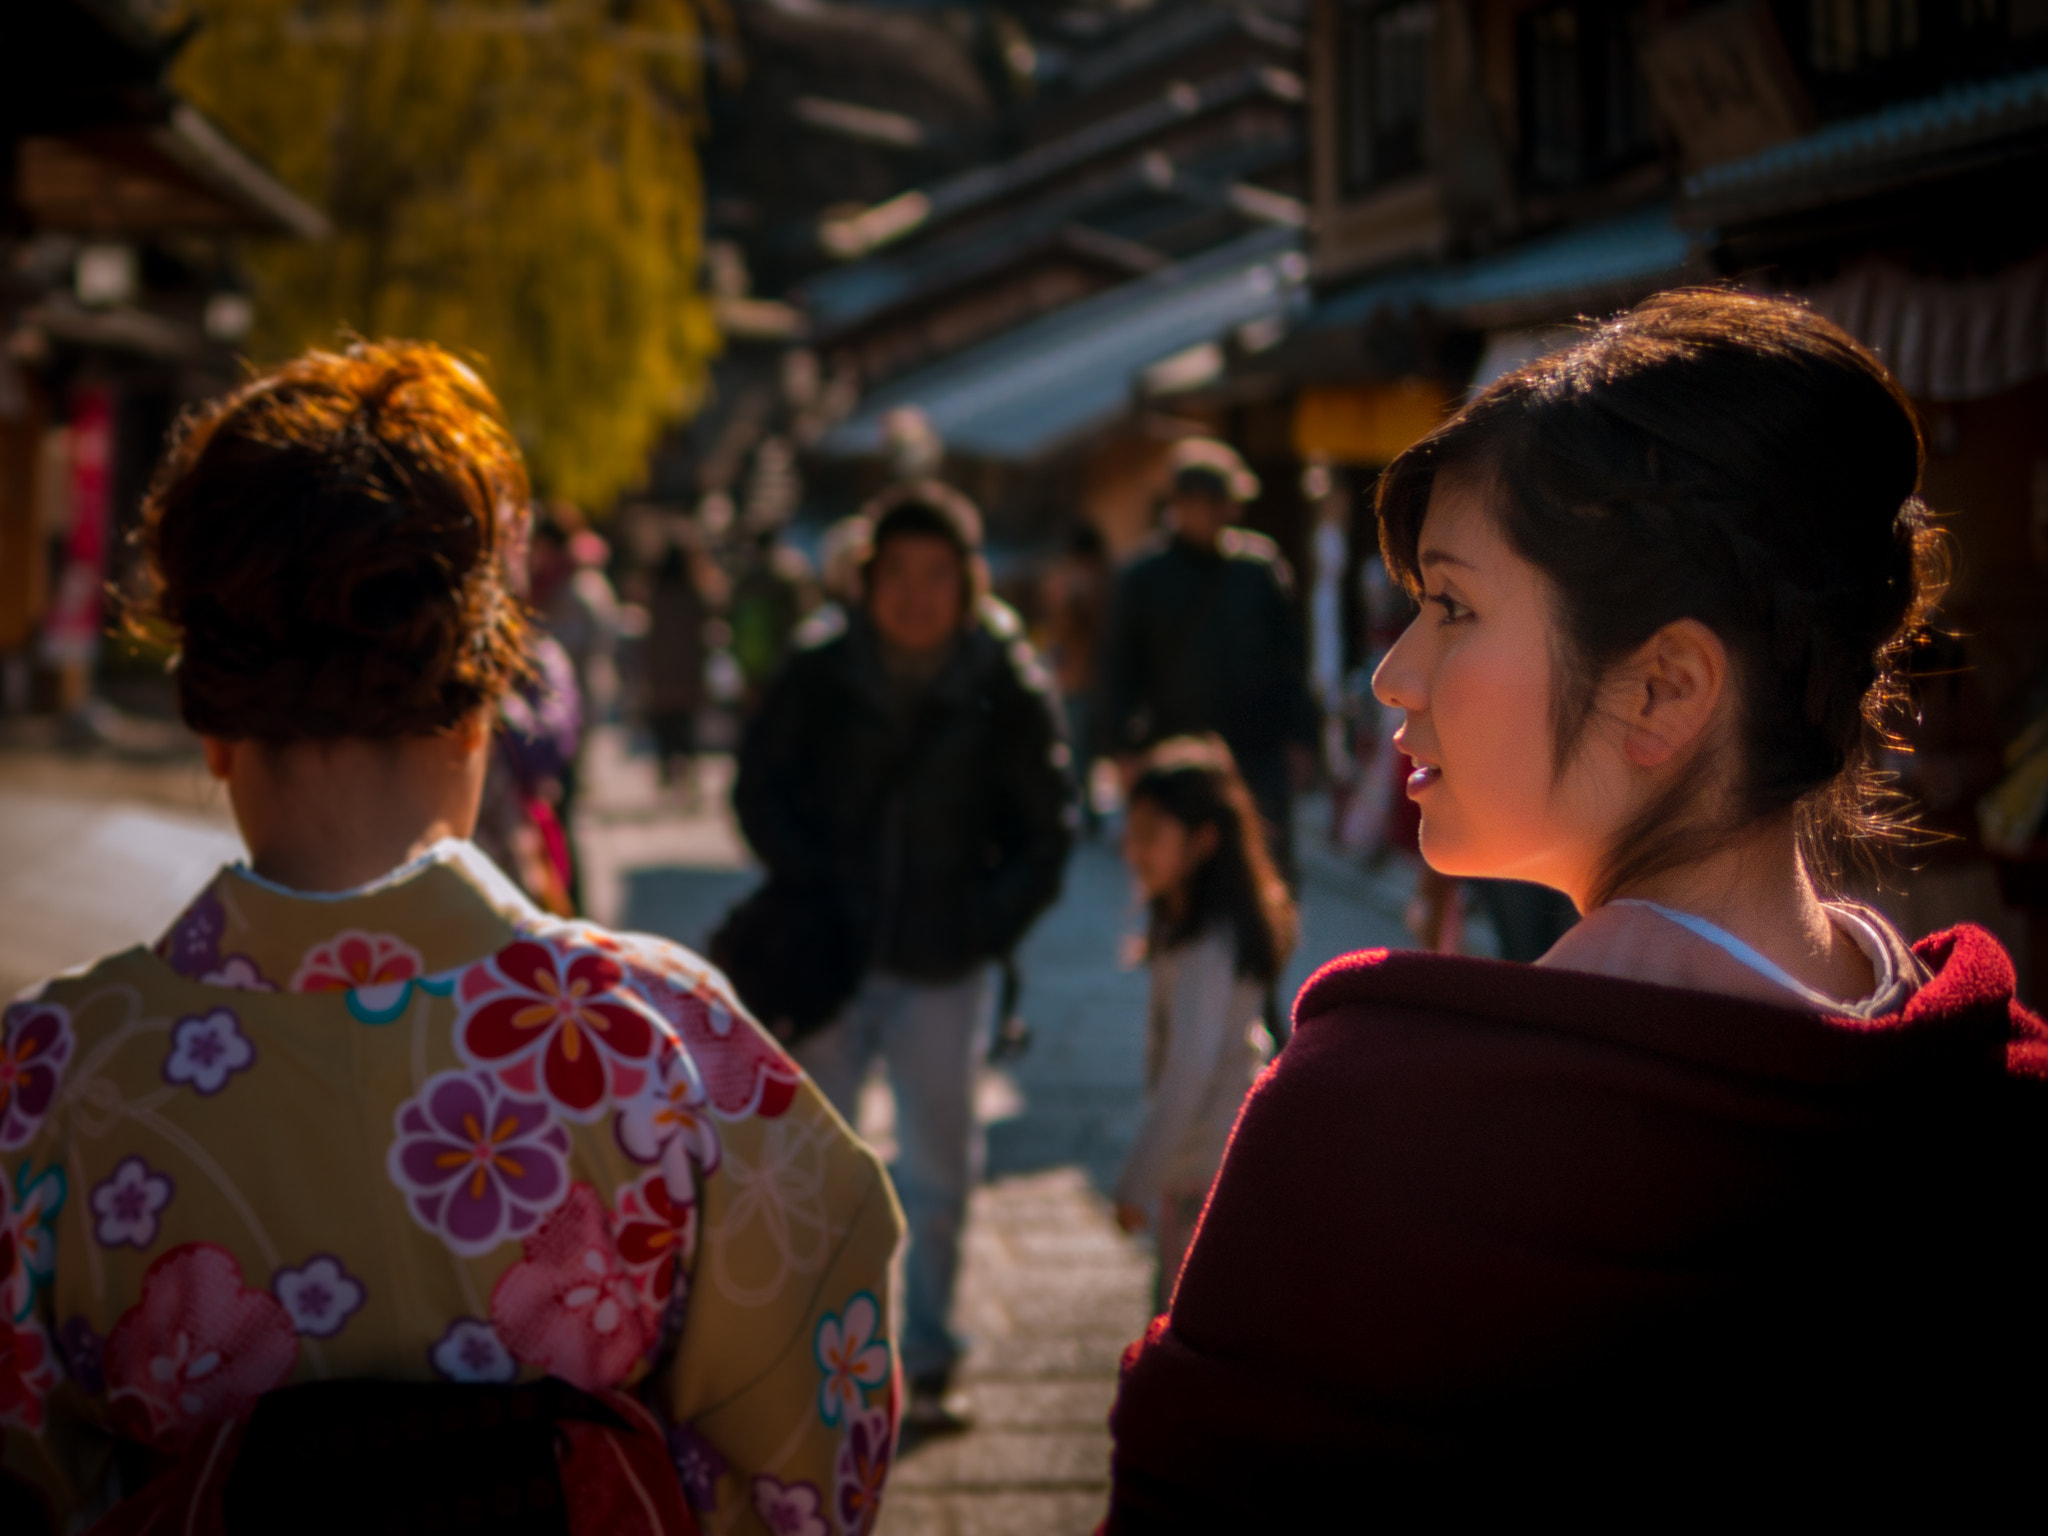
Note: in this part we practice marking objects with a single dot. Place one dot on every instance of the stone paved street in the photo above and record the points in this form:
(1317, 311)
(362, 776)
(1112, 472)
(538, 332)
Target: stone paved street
(97, 854)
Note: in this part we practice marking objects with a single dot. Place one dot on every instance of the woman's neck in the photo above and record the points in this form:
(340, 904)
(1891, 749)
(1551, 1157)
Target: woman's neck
(1758, 888)
(325, 816)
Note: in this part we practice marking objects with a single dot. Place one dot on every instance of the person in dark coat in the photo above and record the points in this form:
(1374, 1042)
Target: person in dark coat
(912, 767)
(1203, 636)
(1728, 1208)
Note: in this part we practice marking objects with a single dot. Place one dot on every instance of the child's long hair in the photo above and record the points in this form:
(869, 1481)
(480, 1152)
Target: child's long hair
(1194, 780)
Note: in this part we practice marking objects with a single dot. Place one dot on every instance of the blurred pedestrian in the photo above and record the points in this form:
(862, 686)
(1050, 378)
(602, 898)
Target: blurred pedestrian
(910, 771)
(576, 603)
(1699, 1215)
(770, 596)
(1221, 925)
(674, 655)
(523, 818)
(374, 1198)
(1204, 636)
(1076, 603)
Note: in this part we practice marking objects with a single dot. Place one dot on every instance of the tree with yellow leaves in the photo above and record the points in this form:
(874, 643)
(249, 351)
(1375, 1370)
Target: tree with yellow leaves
(515, 179)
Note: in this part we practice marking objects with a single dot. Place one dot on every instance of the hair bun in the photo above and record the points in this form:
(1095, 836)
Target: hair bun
(328, 544)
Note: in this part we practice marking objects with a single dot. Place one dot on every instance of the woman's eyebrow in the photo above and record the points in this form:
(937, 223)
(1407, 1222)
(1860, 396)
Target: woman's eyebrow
(1431, 557)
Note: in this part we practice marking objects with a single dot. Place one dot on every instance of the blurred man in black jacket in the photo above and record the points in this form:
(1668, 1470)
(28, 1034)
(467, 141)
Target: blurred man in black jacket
(911, 768)
(1203, 636)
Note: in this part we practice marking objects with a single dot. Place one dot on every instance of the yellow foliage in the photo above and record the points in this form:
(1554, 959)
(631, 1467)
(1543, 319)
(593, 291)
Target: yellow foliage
(515, 179)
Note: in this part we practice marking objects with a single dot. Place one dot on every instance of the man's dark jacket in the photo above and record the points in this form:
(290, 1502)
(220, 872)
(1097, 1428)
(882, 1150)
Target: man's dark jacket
(943, 834)
(1208, 640)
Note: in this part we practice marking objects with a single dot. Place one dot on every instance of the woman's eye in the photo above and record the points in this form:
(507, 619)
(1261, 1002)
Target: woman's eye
(1453, 610)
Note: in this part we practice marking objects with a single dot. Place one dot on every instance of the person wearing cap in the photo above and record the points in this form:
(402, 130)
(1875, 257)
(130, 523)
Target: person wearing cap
(908, 763)
(1203, 636)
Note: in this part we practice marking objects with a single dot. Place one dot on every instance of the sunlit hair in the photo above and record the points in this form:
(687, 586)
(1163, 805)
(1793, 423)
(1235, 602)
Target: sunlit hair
(329, 546)
(1733, 459)
(1195, 780)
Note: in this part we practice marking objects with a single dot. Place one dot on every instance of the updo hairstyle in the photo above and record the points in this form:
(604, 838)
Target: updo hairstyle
(1728, 458)
(328, 546)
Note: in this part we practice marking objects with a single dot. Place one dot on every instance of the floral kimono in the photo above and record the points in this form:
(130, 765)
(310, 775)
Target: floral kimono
(423, 1131)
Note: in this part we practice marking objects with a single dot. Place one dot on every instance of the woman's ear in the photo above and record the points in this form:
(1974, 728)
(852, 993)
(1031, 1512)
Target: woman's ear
(1203, 845)
(1676, 681)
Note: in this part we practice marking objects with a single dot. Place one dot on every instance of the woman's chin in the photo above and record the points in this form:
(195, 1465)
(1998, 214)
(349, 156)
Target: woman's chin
(1450, 857)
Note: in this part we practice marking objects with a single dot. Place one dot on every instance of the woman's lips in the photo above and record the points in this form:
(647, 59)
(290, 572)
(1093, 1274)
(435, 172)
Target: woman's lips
(1421, 777)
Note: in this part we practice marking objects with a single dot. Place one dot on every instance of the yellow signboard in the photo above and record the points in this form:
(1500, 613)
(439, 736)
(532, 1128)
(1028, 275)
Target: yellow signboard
(1366, 423)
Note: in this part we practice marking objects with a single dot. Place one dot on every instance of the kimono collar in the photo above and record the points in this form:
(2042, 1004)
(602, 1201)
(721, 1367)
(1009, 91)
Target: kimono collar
(445, 909)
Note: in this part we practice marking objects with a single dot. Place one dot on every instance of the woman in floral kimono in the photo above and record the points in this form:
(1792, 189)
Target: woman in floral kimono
(370, 1174)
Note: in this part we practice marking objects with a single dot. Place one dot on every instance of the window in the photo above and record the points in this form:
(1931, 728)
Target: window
(1384, 67)
(1585, 111)
(1859, 54)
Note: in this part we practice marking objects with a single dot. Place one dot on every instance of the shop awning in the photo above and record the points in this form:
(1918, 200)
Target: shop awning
(1589, 268)
(1048, 383)
(1942, 338)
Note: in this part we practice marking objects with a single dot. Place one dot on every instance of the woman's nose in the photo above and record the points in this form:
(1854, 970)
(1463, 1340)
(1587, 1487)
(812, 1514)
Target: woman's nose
(1397, 682)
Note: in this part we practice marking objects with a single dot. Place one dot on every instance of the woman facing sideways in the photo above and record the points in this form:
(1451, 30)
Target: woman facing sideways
(372, 1197)
(1733, 1193)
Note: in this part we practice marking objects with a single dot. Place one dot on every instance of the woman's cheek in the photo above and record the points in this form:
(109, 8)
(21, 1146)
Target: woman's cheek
(1492, 715)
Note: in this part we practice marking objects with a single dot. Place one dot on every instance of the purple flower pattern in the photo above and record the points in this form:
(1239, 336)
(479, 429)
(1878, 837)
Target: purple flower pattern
(129, 1203)
(478, 1166)
(472, 1351)
(192, 947)
(320, 1295)
(206, 1050)
(35, 1045)
(789, 1509)
(699, 1465)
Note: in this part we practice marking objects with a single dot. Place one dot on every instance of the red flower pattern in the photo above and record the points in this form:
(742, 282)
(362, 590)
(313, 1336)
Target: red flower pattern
(570, 1307)
(657, 1239)
(555, 1021)
(199, 1347)
(28, 1371)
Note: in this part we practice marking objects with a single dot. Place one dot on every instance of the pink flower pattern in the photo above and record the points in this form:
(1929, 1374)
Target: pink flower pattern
(354, 960)
(743, 1073)
(200, 1346)
(570, 1307)
(477, 1165)
(128, 1203)
(35, 1045)
(852, 1356)
(378, 973)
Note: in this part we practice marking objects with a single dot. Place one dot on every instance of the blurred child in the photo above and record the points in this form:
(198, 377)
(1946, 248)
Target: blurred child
(1222, 925)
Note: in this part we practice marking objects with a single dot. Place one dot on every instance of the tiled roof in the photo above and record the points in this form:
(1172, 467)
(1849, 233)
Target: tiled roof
(1047, 383)
(1614, 259)
(1959, 118)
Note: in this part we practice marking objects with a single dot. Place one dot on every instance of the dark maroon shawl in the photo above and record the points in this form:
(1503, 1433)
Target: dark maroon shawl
(1487, 1231)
